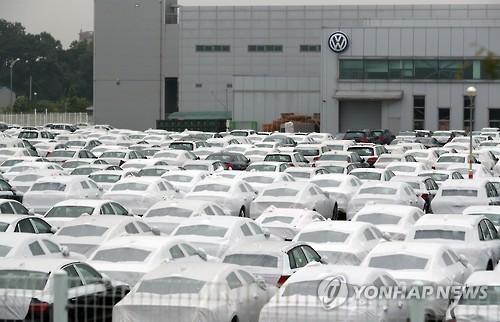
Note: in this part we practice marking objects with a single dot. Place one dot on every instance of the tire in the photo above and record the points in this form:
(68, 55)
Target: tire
(242, 212)
(335, 214)
(234, 319)
(489, 267)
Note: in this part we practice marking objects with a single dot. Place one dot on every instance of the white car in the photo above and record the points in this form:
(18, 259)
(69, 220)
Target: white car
(372, 174)
(185, 179)
(137, 194)
(14, 207)
(175, 157)
(138, 164)
(195, 291)
(167, 214)
(22, 167)
(211, 166)
(407, 168)
(67, 210)
(261, 179)
(258, 154)
(455, 195)
(215, 234)
(440, 176)
(62, 155)
(339, 157)
(25, 224)
(478, 300)
(119, 157)
(312, 151)
(305, 173)
(287, 222)
(474, 237)
(274, 260)
(428, 263)
(424, 187)
(47, 191)
(233, 195)
(396, 220)
(340, 187)
(268, 166)
(302, 299)
(14, 245)
(398, 193)
(478, 170)
(426, 156)
(128, 258)
(300, 194)
(107, 178)
(341, 242)
(387, 158)
(85, 234)
(490, 212)
(295, 159)
(446, 159)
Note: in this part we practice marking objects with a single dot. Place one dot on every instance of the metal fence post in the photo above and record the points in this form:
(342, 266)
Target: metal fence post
(60, 296)
(417, 304)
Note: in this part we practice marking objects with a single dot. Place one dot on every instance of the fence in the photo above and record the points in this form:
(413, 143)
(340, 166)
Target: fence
(39, 119)
(174, 298)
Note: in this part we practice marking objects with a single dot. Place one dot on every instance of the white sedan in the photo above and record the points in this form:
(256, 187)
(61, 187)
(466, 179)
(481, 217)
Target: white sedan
(137, 194)
(429, 263)
(301, 194)
(215, 234)
(455, 195)
(195, 292)
(341, 242)
(261, 179)
(233, 195)
(474, 237)
(184, 179)
(407, 168)
(399, 193)
(396, 220)
(372, 174)
(287, 222)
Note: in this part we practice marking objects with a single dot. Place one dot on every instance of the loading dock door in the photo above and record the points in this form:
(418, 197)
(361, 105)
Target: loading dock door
(355, 115)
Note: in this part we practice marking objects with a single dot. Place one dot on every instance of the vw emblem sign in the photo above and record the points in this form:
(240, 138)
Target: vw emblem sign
(338, 41)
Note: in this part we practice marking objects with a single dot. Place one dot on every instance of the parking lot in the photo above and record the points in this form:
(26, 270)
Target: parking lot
(249, 226)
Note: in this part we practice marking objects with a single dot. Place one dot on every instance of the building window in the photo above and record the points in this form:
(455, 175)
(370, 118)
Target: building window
(418, 112)
(494, 117)
(198, 85)
(310, 48)
(265, 48)
(171, 15)
(213, 48)
(448, 69)
(468, 115)
(444, 119)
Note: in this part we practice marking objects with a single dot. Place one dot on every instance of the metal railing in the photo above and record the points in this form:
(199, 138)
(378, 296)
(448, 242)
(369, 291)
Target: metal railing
(39, 119)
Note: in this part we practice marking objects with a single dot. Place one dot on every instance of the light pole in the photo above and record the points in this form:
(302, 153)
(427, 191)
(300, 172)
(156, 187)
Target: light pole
(11, 89)
(471, 92)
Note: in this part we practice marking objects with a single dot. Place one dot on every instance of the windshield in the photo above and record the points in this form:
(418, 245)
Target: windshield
(334, 157)
(459, 192)
(398, 262)
(169, 211)
(122, 254)
(109, 178)
(362, 151)
(262, 167)
(300, 174)
(401, 168)
(378, 191)
(194, 166)
(327, 183)
(178, 178)
(435, 176)
(308, 152)
(202, 230)
(171, 285)
(451, 158)
(324, 236)
(367, 175)
(212, 187)
(23, 280)
(281, 219)
(69, 211)
(440, 234)
(82, 231)
(379, 219)
(113, 155)
(252, 260)
(280, 192)
(259, 179)
(52, 186)
(62, 153)
(134, 186)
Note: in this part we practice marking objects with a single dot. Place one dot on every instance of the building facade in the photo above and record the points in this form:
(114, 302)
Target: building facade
(404, 66)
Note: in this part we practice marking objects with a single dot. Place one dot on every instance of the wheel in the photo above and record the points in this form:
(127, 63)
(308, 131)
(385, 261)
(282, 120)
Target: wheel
(242, 212)
(335, 214)
(489, 267)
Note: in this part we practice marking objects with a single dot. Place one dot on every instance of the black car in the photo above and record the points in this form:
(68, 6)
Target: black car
(9, 192)
(429, 142)
(383, 136)
(361, 136)
(232, 160)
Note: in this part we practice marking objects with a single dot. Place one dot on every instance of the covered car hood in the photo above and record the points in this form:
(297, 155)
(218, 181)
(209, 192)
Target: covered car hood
(14, 304)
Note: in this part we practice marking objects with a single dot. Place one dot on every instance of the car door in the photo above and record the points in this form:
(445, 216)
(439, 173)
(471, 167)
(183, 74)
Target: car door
(238, 294)
(256, 296)
(494, 242)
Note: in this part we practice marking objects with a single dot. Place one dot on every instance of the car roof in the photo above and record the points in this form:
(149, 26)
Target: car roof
(464, 184)
(397, 210)
(207, 271)
(221, 221)
(482, 209)
(449, 220)
(83, 202)
(483, 278)
(396, 247)
(355, 275)
(141, 241)
(103, 221)
(46, 265)
(347, 226)
(274, 247)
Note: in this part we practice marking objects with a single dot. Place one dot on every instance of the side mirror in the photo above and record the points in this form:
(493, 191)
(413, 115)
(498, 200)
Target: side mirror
(266, 232)
(31, 212)
(156, 231)
(327, 194)
(463, 260)
(261, 282)
(65, 251)
(386, 236)
(324, 259)
(202, 253)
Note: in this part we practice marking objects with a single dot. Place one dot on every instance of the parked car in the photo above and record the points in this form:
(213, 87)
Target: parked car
(369, 152)
(360, 136)
(235, 161)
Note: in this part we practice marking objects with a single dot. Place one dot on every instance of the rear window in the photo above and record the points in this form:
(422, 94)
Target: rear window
(280, 192)
(48, 186)
(324, 236)
(123, 254)
(23, 280)
(69, 211)
(378, 191)
(202, 230)
(279, 219)
(362, 151)
(169, 211)
(252, 260)
(459, 192)
(82, 231)
(440, 234)
(171, 285)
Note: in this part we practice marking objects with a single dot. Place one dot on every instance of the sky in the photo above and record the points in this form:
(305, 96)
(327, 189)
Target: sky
(64, 19)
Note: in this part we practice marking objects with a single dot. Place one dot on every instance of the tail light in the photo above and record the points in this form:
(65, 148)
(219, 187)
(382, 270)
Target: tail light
(316, 158)
(229, 165)
(292, 164)
(48, 153)
(425, 196)
(282, 280)
(371, 160)
(364, 140)
(37, 306)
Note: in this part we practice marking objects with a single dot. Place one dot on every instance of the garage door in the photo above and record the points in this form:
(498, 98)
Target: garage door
(359, 115)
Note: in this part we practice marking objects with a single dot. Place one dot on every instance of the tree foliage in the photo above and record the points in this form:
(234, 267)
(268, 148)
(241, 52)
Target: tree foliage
(62, 77)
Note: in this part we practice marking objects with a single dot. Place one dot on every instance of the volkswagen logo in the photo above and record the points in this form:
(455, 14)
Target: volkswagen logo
(338, 41)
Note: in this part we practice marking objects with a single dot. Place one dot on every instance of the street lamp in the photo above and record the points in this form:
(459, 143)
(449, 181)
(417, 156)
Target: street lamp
(11, 90)
(471, 92)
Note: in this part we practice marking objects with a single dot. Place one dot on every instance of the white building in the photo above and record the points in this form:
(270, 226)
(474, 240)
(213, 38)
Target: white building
(405, 67)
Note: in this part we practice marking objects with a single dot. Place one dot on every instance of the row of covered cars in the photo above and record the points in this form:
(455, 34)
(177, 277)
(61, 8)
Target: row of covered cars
(194, 256)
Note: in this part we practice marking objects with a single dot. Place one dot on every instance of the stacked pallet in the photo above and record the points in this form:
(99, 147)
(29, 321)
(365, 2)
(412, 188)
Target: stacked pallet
(297, 119)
